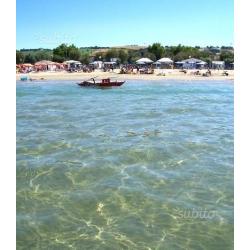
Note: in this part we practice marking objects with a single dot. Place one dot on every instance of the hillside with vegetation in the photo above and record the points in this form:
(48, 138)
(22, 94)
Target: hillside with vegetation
(125, 54)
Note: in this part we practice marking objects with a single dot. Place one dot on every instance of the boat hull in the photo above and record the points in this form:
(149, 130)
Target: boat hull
(100, 84)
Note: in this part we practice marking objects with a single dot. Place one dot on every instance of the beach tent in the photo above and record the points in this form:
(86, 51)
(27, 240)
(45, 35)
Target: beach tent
(27, 65)
(157, 64)
(45, 62)
(165, 60)
(141, 63)
(46, 65)
(144, 61)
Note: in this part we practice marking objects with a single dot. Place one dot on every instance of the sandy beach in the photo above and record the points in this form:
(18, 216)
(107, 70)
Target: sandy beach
(159, 74)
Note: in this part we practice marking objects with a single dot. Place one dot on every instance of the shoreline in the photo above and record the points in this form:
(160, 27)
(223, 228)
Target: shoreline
(165, 75)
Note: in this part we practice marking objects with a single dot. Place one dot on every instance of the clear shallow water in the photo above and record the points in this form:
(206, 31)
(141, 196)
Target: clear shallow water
(145, 166)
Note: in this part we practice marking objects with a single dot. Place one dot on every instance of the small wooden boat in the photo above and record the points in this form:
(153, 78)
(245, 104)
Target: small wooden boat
(103, 83)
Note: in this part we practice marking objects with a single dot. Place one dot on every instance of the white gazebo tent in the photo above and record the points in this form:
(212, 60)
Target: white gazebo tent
(141, 63)
(165, 60)
(144, 61)
(157, 64)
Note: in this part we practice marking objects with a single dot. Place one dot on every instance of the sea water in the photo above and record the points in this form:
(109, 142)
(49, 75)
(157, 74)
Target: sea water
(148, 165)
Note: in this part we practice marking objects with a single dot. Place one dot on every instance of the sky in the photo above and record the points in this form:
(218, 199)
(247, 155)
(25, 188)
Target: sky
(47, 24)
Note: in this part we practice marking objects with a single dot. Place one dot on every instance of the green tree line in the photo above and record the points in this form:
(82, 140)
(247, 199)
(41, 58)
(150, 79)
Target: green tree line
(155, 51)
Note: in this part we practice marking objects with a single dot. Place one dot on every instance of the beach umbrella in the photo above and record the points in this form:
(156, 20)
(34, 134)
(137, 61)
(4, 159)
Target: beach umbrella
(165, 60)
(144, 60)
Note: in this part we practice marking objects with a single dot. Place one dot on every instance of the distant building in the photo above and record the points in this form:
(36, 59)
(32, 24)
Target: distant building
(191, 63)
(218, 64)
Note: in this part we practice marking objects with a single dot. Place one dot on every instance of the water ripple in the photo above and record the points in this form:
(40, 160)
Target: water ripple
(145, 166)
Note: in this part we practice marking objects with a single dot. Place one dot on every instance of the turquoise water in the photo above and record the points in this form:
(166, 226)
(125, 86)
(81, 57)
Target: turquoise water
(145, 166)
